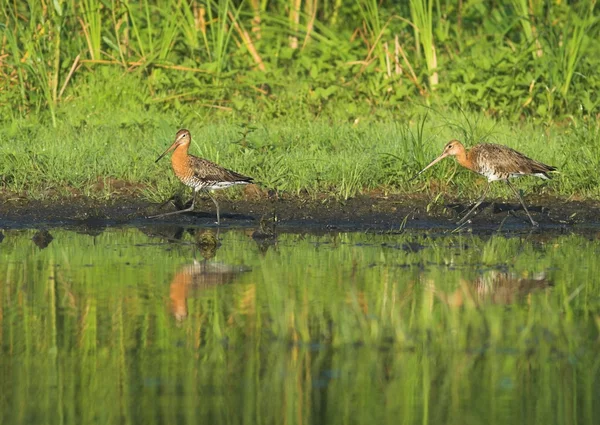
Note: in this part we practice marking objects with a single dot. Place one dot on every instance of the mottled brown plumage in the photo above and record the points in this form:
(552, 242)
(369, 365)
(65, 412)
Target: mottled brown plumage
(495, 162)
(197, 173)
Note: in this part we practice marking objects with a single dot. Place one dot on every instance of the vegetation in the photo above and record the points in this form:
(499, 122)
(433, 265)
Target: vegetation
(326, 92)
(349, 328)
(294, 158)
(514, 58)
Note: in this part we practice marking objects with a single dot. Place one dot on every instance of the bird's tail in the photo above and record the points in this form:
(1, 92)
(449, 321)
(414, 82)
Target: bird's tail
(542, 170)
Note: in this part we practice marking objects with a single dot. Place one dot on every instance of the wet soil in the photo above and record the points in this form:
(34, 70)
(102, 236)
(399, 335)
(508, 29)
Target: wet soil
(360, 213)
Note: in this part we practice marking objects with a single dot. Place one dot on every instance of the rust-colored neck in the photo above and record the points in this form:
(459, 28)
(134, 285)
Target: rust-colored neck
(180, 154)
(464, 158)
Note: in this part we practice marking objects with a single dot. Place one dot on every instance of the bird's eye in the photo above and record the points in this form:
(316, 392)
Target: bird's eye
(449, 146)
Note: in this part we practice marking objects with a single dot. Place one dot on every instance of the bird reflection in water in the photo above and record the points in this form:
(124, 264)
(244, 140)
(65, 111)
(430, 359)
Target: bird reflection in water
(493, 287)
(199, 275)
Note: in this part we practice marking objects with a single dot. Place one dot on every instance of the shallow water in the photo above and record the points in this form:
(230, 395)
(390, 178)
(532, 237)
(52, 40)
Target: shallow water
(148, 326)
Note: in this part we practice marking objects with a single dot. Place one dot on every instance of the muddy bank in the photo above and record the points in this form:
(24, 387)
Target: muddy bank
(360, 213)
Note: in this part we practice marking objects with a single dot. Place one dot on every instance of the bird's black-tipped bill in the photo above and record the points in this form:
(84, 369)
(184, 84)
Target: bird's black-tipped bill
(431, 164)
(416, 175)
(166, 152)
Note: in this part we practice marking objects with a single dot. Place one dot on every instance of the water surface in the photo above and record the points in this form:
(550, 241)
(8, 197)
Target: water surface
(150, 326)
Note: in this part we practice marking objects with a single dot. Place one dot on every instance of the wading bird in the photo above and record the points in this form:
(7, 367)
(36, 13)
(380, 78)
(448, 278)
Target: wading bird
(199, 174)
(496, 162)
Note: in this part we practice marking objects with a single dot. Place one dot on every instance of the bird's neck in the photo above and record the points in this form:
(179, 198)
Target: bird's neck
(180, 153)
(464, 159)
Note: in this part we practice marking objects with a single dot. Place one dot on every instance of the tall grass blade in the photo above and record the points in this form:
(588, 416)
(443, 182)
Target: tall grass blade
(575, 40)
(91, 23)
(422, 16)
(369, 10)
(525, 16)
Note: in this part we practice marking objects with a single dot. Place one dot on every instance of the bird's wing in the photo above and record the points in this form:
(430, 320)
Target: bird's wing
(209, 171)
(505, 160)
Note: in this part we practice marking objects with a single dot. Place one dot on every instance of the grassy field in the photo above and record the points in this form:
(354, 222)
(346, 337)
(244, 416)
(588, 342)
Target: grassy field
(310, 98)
(309, 158)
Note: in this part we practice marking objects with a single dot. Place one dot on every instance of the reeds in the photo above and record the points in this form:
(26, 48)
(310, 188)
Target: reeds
(574, 40)
(211, 50)
(422, 17)
(524, 10)
(91, 25)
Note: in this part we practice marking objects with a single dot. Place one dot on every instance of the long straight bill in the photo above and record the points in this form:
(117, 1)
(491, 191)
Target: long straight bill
(173, 146)
(435, 161)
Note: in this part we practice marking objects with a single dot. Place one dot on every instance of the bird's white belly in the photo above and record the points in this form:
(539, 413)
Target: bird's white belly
(491, 175)
(219, 185)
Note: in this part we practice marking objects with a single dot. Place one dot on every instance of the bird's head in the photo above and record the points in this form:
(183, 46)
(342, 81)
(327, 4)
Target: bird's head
(453, 147)
(182, 137)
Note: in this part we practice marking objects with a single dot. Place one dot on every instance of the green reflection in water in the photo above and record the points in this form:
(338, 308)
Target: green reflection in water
(148, 328)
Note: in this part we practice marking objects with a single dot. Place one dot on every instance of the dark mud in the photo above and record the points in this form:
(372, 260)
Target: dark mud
(361, 213)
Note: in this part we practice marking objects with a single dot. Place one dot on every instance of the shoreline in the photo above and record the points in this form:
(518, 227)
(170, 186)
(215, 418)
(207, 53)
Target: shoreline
(362, 213)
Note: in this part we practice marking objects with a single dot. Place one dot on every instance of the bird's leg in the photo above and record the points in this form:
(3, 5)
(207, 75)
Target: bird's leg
(191, 208)
(533, 223)
(487, 188)
(193, 200)
(216, 205)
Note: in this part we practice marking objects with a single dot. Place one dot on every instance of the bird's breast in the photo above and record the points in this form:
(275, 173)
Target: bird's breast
(182, 168)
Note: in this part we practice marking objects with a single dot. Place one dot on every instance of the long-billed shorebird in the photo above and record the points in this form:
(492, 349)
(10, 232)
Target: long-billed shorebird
(199, 174)
(496, 162)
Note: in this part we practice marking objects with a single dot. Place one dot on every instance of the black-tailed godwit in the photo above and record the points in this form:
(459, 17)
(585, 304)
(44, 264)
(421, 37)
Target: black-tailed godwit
(495, 162)
(199, 174)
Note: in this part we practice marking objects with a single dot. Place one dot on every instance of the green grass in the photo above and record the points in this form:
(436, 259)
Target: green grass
(513, 58)
(295, 156)
(340, 93)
